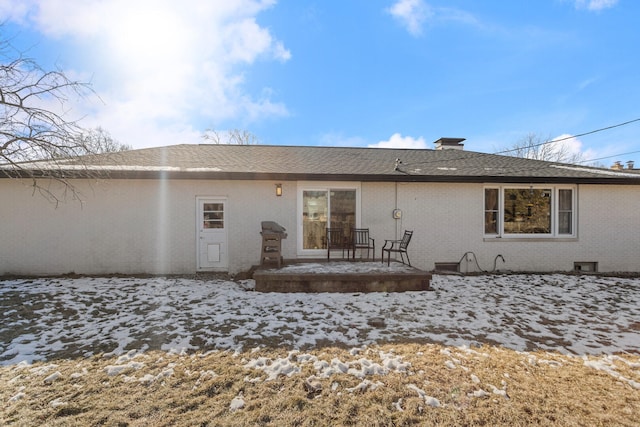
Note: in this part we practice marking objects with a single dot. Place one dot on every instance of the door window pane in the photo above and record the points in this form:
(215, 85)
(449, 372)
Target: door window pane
(314, 219)
(343, 210)
(213, 215)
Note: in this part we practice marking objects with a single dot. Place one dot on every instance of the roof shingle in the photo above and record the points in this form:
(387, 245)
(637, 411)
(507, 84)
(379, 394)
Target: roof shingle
(339, 163)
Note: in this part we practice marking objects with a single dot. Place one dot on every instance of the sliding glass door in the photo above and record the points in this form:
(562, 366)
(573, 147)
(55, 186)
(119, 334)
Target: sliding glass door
(326, 208)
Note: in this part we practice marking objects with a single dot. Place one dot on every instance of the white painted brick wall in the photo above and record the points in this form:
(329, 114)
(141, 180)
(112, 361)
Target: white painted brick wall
(135, 226)
(140, 226)
(447, 222)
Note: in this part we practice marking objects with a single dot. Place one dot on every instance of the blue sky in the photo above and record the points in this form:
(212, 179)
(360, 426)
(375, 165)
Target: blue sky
(348, 72)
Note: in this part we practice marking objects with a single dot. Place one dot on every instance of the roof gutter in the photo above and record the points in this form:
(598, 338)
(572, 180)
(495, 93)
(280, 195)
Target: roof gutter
(280, 176)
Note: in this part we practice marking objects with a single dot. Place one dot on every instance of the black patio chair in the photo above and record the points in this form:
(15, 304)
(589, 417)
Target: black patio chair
(397, 246)
(337, 240)
(361, 240)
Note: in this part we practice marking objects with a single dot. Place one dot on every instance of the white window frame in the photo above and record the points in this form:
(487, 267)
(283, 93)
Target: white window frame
(555, 223)
(322, 186)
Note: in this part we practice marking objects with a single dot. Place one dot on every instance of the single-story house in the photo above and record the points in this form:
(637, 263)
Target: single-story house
(190, 208)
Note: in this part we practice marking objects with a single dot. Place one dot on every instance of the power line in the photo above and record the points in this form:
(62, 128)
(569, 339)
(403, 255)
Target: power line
(571, 137)
(609, 157)
(467, 155)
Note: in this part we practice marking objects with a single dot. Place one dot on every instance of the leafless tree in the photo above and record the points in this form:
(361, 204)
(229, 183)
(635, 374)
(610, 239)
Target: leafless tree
(37, 137)
(98, 140)
(232, 137)
(534, 147)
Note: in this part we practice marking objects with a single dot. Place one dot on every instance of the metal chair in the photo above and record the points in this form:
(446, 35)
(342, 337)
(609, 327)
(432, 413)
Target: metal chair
(397, 246)
(361, 240)
(336, 240)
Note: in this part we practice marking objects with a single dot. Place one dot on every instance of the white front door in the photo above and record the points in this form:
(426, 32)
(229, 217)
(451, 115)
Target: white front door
(211, 226)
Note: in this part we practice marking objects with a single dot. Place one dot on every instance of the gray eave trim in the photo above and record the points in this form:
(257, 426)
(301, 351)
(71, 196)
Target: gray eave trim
(280, 176)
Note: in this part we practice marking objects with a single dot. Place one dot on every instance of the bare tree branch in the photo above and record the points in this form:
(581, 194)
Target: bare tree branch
(37, 135)
(231, 137)
(534, 147)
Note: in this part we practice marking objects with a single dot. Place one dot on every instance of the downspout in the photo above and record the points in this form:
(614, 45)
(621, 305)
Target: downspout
(397, 220)
(396, 207)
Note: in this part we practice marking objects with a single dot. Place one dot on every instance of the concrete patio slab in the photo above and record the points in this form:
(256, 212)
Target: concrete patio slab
(340, 276)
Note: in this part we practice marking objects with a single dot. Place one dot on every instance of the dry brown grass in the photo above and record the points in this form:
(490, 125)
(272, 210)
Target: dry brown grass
(539, 389)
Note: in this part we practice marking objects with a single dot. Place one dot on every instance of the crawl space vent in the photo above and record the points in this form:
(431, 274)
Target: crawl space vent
(448, 266)
(586, 267)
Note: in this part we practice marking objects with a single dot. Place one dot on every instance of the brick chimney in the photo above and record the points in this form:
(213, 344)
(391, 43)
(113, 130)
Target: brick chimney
(449, 144)
(617, 166)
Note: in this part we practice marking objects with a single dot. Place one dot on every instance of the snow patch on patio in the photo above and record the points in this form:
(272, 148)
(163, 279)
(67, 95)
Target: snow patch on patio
(343, 267)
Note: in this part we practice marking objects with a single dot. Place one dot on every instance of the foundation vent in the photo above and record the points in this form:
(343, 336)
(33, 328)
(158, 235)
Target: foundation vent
(585, 267)
(448, 266)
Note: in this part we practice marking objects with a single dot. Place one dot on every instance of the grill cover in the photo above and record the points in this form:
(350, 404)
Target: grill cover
(273, 227)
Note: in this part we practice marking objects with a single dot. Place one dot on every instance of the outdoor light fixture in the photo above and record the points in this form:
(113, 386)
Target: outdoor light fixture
(278, 190)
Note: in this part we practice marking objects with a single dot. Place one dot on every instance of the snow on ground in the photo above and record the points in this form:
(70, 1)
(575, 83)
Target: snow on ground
(71, 317)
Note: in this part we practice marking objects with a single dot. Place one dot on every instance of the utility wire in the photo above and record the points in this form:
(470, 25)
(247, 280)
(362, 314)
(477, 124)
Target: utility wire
(609, 157)
(570, 137)
(467, 155)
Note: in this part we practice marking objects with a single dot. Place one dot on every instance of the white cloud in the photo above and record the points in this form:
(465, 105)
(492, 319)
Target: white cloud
(586, 83)
(10, 10)
(399, 141)
(567, 147)
(160, 65)
(595, 5)
(412, 14)
(450, 15)
(565, 143)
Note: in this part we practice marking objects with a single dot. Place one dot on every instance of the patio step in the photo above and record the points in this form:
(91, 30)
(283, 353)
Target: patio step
(276, 281)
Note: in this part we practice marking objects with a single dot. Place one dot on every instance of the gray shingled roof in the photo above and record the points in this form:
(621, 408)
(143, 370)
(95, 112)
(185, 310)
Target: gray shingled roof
(337, 163)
